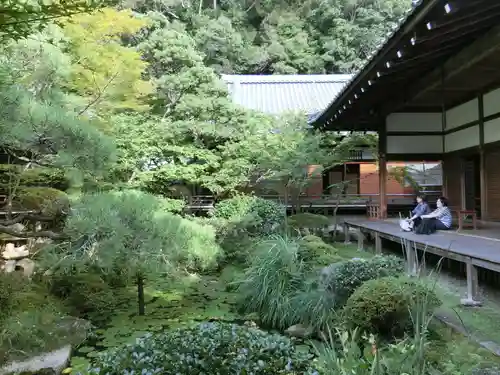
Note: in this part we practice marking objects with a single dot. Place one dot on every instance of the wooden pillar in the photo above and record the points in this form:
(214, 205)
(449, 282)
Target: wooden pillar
(484, 186)
(483, 194)
(382, 170)
(472, 286)
(378, 243)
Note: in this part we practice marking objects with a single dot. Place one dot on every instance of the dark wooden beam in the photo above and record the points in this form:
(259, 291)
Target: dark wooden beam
(469, 56)
(472, 18)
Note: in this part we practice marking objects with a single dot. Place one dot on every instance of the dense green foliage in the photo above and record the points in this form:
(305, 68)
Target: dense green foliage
(385, 305)
(208, 348)
(350, 275)
(266, 37)
(112, 120)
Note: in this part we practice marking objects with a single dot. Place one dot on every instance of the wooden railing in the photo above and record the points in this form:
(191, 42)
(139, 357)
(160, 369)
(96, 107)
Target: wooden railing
(361, 155)
(208, 201)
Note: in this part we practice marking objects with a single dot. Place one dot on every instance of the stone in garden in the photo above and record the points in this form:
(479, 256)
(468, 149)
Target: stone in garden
(53, 362)
(9, 266)
(37, 243)
(326, 274)
(18, 227)
(12, 252)
(27, 265)
(300, 331)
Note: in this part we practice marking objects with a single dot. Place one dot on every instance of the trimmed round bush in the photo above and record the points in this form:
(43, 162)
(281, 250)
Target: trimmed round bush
(317, 251)
(308, 220)
(207, 348)
(347, 276)
(384, 305)
(257, 215)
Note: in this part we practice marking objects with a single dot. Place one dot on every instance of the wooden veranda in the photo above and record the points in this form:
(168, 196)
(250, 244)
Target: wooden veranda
(432, 92)
(473, 248)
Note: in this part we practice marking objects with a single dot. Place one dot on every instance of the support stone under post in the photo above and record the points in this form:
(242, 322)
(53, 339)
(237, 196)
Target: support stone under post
(472, 286)
(378, 243)
(361, 240)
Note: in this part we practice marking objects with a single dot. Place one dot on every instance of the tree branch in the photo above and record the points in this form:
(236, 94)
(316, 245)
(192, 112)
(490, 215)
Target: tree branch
(23, 217)
(42, 234)
(99, 95)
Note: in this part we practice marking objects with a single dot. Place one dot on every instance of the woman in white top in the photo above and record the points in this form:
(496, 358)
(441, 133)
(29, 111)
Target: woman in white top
(439, 219)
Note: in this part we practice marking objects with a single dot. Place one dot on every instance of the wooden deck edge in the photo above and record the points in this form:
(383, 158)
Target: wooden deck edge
(475, 236)
(425, 247)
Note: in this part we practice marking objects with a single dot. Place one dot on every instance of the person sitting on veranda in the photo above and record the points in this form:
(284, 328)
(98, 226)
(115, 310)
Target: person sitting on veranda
(439, 219)
(422, 208)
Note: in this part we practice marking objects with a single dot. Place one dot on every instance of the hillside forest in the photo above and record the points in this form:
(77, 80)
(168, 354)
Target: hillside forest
(112, 114)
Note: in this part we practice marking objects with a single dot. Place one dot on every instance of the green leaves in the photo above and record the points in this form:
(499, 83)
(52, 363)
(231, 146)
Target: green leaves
(18, 18)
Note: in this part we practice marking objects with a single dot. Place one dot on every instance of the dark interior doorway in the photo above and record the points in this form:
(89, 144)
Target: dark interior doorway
(472, 183)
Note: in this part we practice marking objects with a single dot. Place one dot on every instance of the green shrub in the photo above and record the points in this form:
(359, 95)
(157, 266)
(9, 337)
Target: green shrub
(316, 250)
(349, 275)
(308, 220)
(385, 305)
(208, 348)
(312, 238)
(31, 320)
(86, 294)
(51, 202)
(202, 248)
(173, 205)
(274, 276)
(259, 216)
(11, 285)
(33, 177)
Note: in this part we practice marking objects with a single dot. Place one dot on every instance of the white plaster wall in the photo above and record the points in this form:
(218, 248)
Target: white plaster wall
(414, 144)
(492, 131)
(414, 122)
(491, 102)
(462, 139)
(462, 114)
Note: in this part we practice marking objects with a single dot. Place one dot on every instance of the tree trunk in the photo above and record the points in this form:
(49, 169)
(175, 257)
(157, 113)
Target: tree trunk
(140, 294)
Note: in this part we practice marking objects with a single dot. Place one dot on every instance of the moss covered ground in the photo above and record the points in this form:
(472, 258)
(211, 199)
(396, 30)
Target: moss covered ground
(196, 298)
(192, 299)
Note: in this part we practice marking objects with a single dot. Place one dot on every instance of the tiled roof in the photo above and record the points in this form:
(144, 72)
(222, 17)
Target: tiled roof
(276, 94)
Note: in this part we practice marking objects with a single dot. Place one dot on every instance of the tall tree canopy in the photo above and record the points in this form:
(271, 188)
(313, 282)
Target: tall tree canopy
(285, 36)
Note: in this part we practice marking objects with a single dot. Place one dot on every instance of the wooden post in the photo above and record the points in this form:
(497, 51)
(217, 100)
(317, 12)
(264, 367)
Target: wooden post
(483, 186)
(347, 236)
(378, 243)
(483, 194)
(472, 286)
(382, 170)
(361, 240)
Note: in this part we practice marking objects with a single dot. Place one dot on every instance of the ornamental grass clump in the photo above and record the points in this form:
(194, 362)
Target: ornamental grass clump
(275, 275)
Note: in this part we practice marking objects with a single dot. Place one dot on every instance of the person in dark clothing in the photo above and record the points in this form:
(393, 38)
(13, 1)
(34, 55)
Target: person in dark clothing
(422, 208)
(439, 219)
